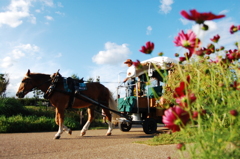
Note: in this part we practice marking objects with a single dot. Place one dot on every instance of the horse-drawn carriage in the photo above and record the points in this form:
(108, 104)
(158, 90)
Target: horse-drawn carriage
(66, 92)
(144, 107)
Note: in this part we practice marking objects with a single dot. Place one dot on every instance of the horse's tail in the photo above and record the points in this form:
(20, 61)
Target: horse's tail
(113, 105)
(111, 102)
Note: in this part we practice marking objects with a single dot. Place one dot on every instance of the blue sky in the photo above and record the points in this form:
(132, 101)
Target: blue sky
(93, 38)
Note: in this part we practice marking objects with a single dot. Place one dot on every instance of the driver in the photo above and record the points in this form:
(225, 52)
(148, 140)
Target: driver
(130, 79)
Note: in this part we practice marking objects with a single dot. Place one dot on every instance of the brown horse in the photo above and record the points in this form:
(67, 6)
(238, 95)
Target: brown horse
(60, 99)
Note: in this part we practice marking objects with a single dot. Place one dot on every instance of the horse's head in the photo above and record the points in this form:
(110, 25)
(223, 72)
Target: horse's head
(26, 85)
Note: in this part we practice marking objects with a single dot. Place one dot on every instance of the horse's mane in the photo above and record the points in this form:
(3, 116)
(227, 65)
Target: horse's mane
(36, 75)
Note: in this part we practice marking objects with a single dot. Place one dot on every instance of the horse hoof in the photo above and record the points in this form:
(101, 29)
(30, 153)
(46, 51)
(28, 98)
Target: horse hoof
(109, 134)
(56, 137)
(82, 133)
(70, 132)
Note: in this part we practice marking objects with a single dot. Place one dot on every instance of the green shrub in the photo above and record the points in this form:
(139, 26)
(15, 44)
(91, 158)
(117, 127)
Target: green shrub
(72, 124)
(41, 111)
(11, 106)
(26, 124)
(14, 117)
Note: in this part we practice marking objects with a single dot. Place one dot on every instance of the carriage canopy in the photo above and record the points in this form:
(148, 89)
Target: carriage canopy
(160, 61)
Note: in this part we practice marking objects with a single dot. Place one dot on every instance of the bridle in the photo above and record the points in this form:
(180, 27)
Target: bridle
(26, 81)
(54, 80)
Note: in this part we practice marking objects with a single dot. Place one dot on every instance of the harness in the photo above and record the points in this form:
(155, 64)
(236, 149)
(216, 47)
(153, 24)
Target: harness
(71, 87)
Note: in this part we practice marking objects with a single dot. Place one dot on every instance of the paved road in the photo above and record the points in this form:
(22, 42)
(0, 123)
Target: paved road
(95, 145)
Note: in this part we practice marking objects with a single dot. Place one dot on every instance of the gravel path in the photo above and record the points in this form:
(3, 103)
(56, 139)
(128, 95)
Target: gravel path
(94, 145)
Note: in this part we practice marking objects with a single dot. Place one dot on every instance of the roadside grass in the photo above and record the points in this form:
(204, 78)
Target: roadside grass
(166, 138)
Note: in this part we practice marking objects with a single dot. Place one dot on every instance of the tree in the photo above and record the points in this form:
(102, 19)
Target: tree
(75, 76)
(37, 93)
(4, 81)
(90, 80)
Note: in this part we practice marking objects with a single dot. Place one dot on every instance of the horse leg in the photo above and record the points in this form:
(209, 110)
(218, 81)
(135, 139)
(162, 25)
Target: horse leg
(90, 111)
(109, 121)
(59, 118)
(68, 131)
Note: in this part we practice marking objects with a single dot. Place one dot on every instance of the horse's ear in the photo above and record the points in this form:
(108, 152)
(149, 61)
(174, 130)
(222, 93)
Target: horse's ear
(28, 73)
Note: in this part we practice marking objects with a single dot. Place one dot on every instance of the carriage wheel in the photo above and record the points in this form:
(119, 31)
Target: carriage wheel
(150, 126)
(124, 126)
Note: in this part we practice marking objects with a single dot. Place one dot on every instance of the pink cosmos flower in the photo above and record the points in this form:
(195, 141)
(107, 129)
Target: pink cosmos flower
(210, 49)
(215, 38)
(182, 59)
(175, 117)
(200, 17)
(182, 96)
(219, 59)
(180, 91)
(185, 99)
(148, 48)
(233, 55)
(235, 85)
(188, 40)
(201, 52)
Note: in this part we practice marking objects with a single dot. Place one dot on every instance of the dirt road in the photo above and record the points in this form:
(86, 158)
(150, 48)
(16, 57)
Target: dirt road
(95, 145)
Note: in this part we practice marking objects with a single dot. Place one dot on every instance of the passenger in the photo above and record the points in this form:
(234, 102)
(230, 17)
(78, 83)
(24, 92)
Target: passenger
(130, 79)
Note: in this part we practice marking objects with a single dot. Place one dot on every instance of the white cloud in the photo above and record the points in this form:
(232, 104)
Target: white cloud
(16, 11)
(48, 2)
(28, 48)
(17, 53)
(60, 13)
(38, 10)
(19, 10)
(110, 76)
(6, 62)
(165, 6)
(113, 54)
(22, 57)
(149, 30)
(59, 4)
(185, 21)
(217, 27)
(58, 55)
(32, 19)
(49, 17)
(224, 12)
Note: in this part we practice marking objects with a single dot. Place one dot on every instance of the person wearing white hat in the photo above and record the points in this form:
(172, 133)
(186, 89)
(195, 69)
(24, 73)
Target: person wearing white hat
(130, 79)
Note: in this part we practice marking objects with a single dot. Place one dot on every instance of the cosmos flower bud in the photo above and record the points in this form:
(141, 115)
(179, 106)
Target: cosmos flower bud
(233, 112)
(233, 29)
(195, 115)
(204, 27)
(215, 38)
(160, 54)
(222, 48)
(181, 146)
